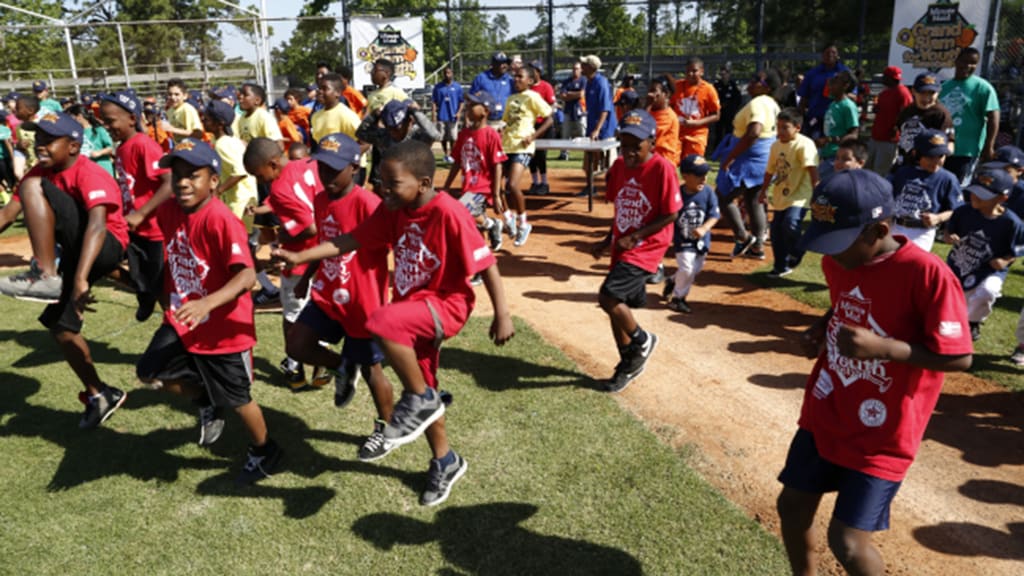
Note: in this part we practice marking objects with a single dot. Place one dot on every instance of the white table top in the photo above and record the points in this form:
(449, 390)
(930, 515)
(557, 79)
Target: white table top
(585, 145)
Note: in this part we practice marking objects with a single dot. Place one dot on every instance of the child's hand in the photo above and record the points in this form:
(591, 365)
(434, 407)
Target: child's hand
(192, 313)
(283, 258)
(861, 343)
(502, 329)
(82, 298)
(953, 239)
(250, 210)
(629, 241)
(1000, 263)
(698, 232)
(813, 339)
(930, 219)
(599, 248)
(134, 220)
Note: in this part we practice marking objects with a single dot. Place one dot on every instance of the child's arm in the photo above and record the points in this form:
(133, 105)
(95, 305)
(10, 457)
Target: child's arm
(257, 210)
(229, 183)
(192, 312)
(1001, 263)
(502, 329)
(748, 139)
(861, 343)
(456, 168)
(302, 286)
(934, 219)
(539, 131)
(704, 228)
(336, 247)
(428, 127)
(812, 173)
(308, 232)
(162, 194)
(762, 196)
(628, 241)
(813, 339)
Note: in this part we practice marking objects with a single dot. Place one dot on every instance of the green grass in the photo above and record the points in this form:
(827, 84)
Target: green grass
(561, 480)
(991, 353)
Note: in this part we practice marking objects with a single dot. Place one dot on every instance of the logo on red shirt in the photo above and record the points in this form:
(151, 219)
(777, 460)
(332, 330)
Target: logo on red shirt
(631, 207)
(415, 264)
(854, 309)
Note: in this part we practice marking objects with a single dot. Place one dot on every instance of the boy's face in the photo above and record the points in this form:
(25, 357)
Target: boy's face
(210, 125)
(865, 248)
(845, 160)
(175, 96)
(400, 186)
(476, 112)
(192, 186)
(786, 130)
(925, 99)
(694, 182)
(118, 121)
(985, 206)
(327, 94)
(635, 151)
(836, 88)
(380, 76)
(248, 100)
(268, 171)
(292, 102)
(966, 64)
(335, 182)
(55, 152)
(931, 163)
(522, 80)
(657, 98)
(694, 72)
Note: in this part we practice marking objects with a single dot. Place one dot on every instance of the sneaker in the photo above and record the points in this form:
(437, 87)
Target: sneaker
(440, 480)
(659, 275)
(755, 254)
(211, 424)
(412, 415)
(975, 331)
(679, 305)
(376, 446)
(296, 378)
(668, 288)
(257, 467)
(541, 189)
(449, 160)
(564, 155)
(476, 280)
(780, 273)
(321, 377)
(494, 234)
(33, 285)
(510, 226)
(586, 191)
(633, 364)
(523, 234)
(1018, 356)
(101, 406)
(345, 380)
(741, 246)
(266, 297)
(146, 306)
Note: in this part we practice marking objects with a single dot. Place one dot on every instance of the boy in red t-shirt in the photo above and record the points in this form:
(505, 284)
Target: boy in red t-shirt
(293, 186)
(436, 249)
(478, 154)
(72, 202)
(144, 187)
(644, 188)
(203, 349)
(897, 322)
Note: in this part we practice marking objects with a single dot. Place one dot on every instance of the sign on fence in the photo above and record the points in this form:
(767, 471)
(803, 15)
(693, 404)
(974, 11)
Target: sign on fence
(397, 39)
(927, 36)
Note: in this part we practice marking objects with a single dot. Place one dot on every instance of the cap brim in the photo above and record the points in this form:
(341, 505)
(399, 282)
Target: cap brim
(981, 192)
(334, 161)
(929, 88)
(636, 131)
(819, 239)
(702, 171)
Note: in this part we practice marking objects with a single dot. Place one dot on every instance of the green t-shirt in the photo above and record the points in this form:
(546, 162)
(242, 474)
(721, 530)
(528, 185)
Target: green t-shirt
(841, 117)
(5, 136)
(97, 139)
(51, 105)
(969, 101)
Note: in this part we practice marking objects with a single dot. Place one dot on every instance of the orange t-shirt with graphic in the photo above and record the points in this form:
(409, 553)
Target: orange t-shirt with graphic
(693, 102)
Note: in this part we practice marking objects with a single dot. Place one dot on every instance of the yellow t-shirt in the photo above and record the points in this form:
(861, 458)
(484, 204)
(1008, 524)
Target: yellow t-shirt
(762, 109)
(185, 117)
(788, 163)
(379, 98)
(259, 124)
(341, 118)
(231, 150)
(520, 117)
(28, 137)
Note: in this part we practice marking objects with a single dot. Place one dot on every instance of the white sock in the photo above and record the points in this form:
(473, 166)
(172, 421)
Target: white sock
(522, 218)
(508, 214)
(265, 282)
(292, 363)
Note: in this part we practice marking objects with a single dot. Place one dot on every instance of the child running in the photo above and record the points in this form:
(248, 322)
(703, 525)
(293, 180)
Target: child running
(692, 236)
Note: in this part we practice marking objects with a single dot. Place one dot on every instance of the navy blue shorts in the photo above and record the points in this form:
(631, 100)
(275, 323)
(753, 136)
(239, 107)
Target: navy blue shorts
(520, 158)
(863, 501)
(362, 351)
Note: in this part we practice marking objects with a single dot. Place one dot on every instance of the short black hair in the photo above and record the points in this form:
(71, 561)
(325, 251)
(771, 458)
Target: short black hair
(416, 156)
(969, 51)
(386, 64)
(323, 64)
(259, 152)
(345, 72)
(30, 102)
(177, 82)
(532, 72)
(332, 79)
(848, 82)
(856, 146)
(665, 83)
(298, 93)
(792, 115)
(257, 90)
(694, 60)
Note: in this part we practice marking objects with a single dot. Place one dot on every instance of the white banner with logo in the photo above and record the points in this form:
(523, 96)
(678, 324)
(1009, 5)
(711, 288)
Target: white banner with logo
(397, 39)
(927, 36)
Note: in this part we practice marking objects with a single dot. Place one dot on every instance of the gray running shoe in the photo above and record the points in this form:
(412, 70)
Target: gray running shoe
(632, 364)
(376, 446)
(33, 285)
(100, 407)
(345, 380)
(412, 415)
(258, 467)
(494, 234)
(523, 234)
(440, 480)
(211, 424)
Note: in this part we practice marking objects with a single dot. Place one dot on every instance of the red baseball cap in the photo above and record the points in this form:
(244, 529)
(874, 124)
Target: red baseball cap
(893, 72)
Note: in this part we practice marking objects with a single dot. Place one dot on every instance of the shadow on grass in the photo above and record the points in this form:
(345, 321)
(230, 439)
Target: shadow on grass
(487, 540)
(988, 429)
(501, 373)
(43, 350)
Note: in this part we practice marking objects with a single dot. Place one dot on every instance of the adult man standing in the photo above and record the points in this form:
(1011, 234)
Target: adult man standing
(813, 91)
(447, 99)
(601, 121)
(695, 102)
(885, 133)
(497, 83)
(973, 103)
(571, 93)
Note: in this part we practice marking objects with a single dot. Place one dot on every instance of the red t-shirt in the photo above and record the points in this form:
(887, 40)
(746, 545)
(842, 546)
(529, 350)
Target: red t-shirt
(291, 199)
(870, 415)
(547, 92)
(200, 248)
(478, 151)
(891, 102)
(348, 288)
(138, 172)
(642, 195)
(437, 248)
(89, 185)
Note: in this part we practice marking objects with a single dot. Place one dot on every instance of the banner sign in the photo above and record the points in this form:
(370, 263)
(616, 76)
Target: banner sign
(927, 36)
(397, 39)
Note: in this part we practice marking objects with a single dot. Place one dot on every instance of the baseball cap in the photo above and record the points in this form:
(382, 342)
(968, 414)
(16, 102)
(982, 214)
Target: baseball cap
(842, 206)
(482, 97)
(538, 65)
(395, 112)
(56, 124)
(500, 58)
(931, 143)
(893, 72)
(628, 98)
(223, 92)
(222, 112)
(127, 101)
(338, 151)
(638, 123)
(591, 60)
(694, 164)
(926, 83)
(1012, 155)
(991, 180)
(194, 152)
(282, 105)
(39, 86)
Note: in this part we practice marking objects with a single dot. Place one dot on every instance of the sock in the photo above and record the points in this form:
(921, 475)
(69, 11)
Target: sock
(429, 394)
(260, 450)
(535, 177)
(265, 282)
(448, 459)
(292, 363)
(522, 218)
(638, 337)
(508, 214)
(544, 178)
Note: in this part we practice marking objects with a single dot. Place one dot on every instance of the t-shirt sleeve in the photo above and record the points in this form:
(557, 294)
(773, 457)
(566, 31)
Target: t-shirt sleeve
(151, 154)
(97, 188)
(377, 230)
(712, 208)
(192, 121)
(1017, 240)
(463, 235)
(760, 112)
(494, 144)
(808, 153)
(295, 214)
(671, 199)
(943, 311)
(773, 157)
(270, 128)
(711, 102)
(538, 106)
(235, 241)
(991, 99)
(951, 195)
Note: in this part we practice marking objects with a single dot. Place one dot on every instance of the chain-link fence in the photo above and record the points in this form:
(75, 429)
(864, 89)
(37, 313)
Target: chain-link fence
(1006, 70)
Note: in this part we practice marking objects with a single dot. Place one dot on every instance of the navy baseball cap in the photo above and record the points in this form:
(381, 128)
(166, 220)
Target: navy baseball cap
(127, 101)
(628, 98)
(694, 164)
(990, 181)
(500, 58)
(194, 152)
(282, 105)
(482, 97)
(221, 112)
(56, 124)
(339, 151)
(927, 83)
(395, 112)
(39, 86)
(842, 206)
(538, 65)
(1012, 155)
(931, 143)
(638, 123)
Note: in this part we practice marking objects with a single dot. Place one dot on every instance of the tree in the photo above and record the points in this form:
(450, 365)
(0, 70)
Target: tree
(313, 41)
(607, 24)
(33, 49)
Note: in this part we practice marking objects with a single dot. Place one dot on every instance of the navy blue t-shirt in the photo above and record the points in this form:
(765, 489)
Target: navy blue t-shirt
(1016, 202)
(981, 240)
(698, 208)
(447, 98)
(917, 191)
(574, 108)
(498, 86)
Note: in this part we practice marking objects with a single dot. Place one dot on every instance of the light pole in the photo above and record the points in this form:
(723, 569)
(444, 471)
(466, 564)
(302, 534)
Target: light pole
(67, 40)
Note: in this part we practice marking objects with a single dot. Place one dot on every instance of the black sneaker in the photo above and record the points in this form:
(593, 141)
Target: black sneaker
(633, 364)
(147, 304)
(412, 415)
(541, 189)
(211, 424)
(679, 305)
(564, 155)
(257, 467)
(265, 298)
(741, 246)
(975, 331)
(755, 254)
(295, 377)
(345, 380)
(780, 273)
(668, 288)
(659, 275)
(440, 480)
(494, 234)
(100, 407)
(375, 446)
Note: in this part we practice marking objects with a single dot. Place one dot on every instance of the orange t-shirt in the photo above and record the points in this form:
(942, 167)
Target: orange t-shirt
(299, 116)
(289, 132)
(356, 100)
(666, 139)
(693, 102)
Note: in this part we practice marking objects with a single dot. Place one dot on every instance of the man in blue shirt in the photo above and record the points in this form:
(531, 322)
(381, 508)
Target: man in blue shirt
(813, 91)
(600, 110)
(497, 83)
(447, 98)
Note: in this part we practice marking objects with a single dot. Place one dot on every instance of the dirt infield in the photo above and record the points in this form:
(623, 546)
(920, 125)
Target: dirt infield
(727, 382)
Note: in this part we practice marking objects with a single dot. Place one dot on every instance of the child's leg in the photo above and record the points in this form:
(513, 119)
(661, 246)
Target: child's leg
(380, 389)
(731, 210)
(1020, 330)
(758, 217)
(518, 201)
(302, 343)
(76, 353)
(40, 222)
(796, 514)
(622, 320)
(689, 264)
(982, 297)
(255, 425)
(164, 362)
(854, 549)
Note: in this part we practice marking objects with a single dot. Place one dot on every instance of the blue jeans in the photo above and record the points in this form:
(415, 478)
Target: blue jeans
(785, 233)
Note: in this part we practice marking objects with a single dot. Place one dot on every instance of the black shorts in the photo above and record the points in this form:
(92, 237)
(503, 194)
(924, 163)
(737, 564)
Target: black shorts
(362, 351)
(627, 284)
(227, 378)
(146, 266)
(69, 224)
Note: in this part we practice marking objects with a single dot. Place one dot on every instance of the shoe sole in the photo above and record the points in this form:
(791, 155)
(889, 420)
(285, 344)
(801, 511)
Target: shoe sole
(36, 299)
(204, 441)
(458, 475)
(746, 247)
(324, 380)
(412, 436)
(124, 396)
